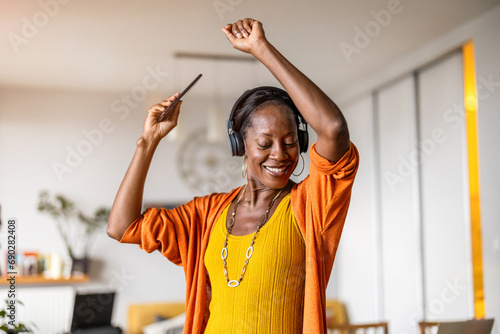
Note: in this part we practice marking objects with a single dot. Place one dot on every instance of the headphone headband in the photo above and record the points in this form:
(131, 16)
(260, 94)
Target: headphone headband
(236, 143)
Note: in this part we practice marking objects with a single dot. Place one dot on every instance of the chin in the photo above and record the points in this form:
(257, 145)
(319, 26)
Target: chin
(279, 185)
(270, 182)
(276, 182)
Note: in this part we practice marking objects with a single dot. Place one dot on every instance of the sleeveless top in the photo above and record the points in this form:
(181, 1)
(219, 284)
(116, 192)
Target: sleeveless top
(270, 296)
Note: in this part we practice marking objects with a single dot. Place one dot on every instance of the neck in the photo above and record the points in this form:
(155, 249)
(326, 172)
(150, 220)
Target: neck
(257, 193)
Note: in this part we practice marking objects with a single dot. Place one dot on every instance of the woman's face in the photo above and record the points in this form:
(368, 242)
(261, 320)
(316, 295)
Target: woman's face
(271, 146)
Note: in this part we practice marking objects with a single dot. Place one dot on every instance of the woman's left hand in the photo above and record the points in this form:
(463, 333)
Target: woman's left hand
(245, 35)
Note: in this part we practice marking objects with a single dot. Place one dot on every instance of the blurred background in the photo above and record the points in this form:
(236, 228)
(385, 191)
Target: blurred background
(77, 78)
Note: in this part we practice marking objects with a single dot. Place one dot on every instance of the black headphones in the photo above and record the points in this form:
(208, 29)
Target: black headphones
(236, 140)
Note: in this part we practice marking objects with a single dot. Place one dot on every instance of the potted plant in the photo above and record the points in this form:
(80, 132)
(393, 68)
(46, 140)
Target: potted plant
(69, 222)
(6, 320)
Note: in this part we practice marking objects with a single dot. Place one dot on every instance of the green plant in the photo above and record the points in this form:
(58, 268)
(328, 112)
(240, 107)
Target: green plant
(92, 224)
(6, 320)
(67, 218)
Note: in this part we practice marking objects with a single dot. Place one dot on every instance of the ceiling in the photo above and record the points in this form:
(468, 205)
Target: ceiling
(109, 45)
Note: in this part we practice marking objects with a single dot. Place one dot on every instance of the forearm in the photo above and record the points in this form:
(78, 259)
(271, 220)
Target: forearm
(128, 201)
(320, 112)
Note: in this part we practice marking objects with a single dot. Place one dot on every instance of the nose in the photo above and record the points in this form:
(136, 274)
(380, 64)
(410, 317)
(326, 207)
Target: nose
(278, 152)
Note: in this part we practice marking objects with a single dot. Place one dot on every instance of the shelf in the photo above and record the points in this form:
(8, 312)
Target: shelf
(40, 280)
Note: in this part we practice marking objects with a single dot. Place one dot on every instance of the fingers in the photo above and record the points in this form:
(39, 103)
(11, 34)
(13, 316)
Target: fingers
(175, 113)
(229, 34)
(157, 108)
(160, 107)
(168, 101)
(157, 112)
(239, 29)
(247, 24)
(235, 30)
(152, 125)
(232, 32)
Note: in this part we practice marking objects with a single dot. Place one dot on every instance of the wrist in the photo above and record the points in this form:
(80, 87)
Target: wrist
(148, 142)
(260, 48)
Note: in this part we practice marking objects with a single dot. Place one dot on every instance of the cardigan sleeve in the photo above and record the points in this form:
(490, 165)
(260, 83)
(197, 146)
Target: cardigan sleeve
(324, 195)
(167, 230)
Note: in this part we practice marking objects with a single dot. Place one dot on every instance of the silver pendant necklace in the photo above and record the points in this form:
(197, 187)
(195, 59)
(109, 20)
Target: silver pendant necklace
(224, 253)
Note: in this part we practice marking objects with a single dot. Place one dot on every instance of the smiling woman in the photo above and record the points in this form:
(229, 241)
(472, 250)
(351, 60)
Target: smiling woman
(267, 116)
(271, 147)
(245, 253)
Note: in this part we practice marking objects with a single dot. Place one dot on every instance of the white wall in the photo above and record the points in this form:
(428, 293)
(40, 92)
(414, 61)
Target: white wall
(36, 127)
(446, 264)
(359, 239)
(445, 194)
(400, 276)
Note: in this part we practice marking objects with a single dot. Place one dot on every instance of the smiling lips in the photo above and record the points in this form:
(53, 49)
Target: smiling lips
(276, 171)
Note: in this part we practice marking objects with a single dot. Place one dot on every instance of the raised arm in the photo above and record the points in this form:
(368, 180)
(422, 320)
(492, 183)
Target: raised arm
(320, 112)
(128, 201)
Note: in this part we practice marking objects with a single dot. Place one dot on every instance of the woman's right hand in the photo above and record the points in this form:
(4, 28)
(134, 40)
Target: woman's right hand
(128, 201)
(157, 130)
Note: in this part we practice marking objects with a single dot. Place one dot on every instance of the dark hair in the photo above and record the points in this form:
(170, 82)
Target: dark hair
(261, 97)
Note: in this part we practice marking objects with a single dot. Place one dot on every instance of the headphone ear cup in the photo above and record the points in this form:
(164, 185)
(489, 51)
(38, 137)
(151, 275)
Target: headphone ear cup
(303, 140)
(302, 133)
(240, 145)
(237, 145)
(232, 144)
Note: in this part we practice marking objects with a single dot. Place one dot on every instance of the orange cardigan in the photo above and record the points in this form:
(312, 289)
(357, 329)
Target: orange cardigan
(320, 204)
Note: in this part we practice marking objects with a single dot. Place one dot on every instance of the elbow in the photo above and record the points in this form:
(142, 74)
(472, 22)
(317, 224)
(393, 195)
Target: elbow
(337, 131)
(114, 234)
(116, 229)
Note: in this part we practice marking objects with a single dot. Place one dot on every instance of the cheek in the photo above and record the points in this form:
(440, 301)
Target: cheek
(256, 158)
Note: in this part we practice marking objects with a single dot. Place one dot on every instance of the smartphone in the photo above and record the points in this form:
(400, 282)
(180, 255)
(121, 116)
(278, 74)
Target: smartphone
(170, 107)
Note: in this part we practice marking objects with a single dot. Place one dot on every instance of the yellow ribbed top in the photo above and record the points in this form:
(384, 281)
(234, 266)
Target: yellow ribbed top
(270, 297)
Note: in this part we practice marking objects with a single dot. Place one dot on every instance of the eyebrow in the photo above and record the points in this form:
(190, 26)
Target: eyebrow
(270, 135)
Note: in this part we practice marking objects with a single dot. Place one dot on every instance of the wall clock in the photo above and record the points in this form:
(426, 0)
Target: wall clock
(206, 166)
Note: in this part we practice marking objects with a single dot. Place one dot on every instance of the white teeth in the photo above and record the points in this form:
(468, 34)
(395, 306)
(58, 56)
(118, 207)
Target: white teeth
(276, 170)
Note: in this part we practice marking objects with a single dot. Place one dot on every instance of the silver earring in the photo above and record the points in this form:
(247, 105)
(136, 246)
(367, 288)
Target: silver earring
(244, 169)
(303, 165)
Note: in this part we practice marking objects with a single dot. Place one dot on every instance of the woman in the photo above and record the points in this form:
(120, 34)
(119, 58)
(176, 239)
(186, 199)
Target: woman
(258, 259)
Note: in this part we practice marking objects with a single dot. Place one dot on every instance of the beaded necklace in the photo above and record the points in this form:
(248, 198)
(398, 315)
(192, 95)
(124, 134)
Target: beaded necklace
(224, 253)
